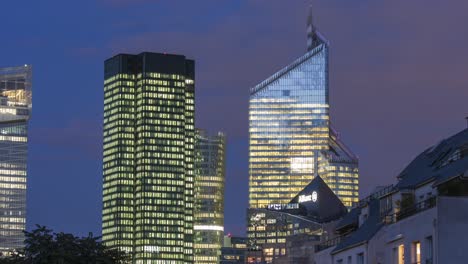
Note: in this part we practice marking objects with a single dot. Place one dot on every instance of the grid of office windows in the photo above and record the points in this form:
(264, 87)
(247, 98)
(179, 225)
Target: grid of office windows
(271, 229)
(189, 178)
(118, 163)
(15, 109)
(289, 126)
(209, 196)
(148, 157)
(339, 169)
(291, 139)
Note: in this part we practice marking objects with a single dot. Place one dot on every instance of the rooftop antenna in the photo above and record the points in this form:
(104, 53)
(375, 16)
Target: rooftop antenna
(310, 30)
(310, 20)
(312, 40)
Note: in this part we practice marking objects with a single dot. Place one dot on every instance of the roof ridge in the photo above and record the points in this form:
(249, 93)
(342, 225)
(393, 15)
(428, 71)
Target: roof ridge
(286, 69)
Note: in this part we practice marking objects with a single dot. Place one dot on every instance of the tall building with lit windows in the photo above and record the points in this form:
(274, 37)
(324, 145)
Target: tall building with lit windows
(209, 196)
(291, 140)
(148, 167)
(15, 110)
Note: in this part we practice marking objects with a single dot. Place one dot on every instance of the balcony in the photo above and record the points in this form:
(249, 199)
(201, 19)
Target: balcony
(410, 210)
(329, 243)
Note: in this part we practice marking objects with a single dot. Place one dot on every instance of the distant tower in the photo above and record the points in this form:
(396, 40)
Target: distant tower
(148, 166)
(209, 196)
(15, 110)
(291, 138)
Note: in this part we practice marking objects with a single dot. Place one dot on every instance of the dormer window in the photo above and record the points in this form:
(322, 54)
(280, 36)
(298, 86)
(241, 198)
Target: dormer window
(454, 156)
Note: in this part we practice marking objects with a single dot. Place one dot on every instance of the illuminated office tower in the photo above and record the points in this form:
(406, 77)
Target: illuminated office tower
(15, 110)
(291, 140)
(209, 196)
(148, 167)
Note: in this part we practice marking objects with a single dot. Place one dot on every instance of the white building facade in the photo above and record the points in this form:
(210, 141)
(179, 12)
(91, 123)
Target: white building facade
(421, 219)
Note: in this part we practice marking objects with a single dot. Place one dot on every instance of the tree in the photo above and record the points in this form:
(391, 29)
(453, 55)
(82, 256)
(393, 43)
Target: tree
(42, 246)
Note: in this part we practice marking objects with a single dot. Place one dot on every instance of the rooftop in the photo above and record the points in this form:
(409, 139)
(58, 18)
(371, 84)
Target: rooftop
(441, 162)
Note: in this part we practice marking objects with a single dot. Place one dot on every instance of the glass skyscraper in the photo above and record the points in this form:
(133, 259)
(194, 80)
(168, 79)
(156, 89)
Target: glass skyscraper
(15, 110)
(148, 167)
(209, 196)
(291, 140)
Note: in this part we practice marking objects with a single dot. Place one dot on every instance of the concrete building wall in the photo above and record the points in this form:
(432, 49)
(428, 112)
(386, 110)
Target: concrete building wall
(350, 255)
(324, 256)
(376, 248)
(452, 246)
(424, 192)
(406, 232)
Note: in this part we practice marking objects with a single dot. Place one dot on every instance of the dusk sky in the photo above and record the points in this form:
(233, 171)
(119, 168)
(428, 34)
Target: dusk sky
(398, 82)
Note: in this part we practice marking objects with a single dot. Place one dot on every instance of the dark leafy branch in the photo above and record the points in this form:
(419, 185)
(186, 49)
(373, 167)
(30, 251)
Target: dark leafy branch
(42, 246)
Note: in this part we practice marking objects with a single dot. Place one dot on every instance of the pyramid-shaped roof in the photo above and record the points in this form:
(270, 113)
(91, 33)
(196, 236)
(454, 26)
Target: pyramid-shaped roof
(320, 202)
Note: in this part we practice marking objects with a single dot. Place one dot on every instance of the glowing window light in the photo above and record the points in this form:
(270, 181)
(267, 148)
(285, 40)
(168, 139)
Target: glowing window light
(208, 227)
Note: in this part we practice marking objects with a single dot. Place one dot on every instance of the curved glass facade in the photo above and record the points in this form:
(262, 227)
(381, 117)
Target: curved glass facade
(15, 110)
(209, 197)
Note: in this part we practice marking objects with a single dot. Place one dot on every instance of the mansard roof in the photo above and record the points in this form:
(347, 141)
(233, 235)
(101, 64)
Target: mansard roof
(366, 231)
(439, 163)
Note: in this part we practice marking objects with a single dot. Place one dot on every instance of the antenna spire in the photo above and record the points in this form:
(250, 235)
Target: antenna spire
(312, 38)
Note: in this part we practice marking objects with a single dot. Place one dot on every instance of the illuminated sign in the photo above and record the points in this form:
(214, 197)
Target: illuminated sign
(275, 206)
(306, 198)
(278, 207)
(314, 196)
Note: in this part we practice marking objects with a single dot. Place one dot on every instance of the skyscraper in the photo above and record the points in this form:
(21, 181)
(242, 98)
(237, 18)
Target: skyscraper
(209, 196)
(15, 110)
(291, 139)
(148, 167)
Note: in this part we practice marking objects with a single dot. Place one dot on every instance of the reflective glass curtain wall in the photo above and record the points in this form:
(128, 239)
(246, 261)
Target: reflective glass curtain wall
(209, 196)
(148, 168)
(291, 140)
(289, 126)
(15, 110)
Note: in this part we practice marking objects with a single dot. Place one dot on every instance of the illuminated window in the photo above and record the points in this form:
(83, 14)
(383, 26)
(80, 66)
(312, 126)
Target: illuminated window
(399, 254)
(148, 161)
(416, 253)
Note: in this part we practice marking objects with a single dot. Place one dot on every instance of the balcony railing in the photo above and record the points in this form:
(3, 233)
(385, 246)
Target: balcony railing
(411, 210)
(376, 195)
(327, 244)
